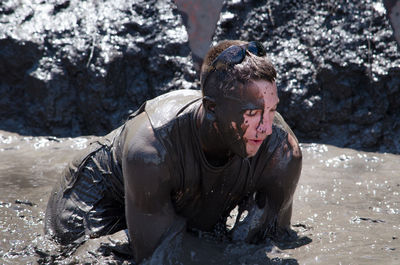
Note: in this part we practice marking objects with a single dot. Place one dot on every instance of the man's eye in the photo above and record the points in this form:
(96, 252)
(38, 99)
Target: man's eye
(250, 112)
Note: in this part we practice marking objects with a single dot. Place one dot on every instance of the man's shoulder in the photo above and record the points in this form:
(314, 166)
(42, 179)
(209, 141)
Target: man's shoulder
(138, 139)
(166, 107)
(284, 145)
(147, 135)
(281, 125)
(282, 140)
(280, 157)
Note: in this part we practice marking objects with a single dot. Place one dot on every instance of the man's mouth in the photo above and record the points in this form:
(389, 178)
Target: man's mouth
(255, 141)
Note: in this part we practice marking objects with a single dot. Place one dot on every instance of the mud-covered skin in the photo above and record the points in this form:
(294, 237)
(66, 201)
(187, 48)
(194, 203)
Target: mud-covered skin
(241, 119)
(244, 119)
(258, 119)
(270, 207)
(148, 185)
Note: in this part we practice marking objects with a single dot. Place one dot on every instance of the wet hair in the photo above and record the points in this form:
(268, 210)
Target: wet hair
(225, 81)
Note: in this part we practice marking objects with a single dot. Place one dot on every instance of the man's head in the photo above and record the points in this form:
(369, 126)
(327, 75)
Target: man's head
(239, 94)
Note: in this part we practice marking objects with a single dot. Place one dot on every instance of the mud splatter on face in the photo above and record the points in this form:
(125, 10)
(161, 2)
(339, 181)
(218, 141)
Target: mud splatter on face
(234, 127)
(245, 116)
(259, 113)
(245, 125)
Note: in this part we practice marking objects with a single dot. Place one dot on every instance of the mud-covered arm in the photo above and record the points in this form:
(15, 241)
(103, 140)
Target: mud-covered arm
(270, 208)
(150, 215)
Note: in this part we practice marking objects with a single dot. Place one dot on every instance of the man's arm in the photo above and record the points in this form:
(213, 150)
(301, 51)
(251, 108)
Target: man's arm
(270, 208)
(148, 207)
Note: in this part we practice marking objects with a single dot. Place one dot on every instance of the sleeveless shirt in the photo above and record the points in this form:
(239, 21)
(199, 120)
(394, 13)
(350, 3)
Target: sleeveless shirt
(204, 193)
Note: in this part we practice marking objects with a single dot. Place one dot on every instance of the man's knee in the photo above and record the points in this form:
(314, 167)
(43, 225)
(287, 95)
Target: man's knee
(64, 222)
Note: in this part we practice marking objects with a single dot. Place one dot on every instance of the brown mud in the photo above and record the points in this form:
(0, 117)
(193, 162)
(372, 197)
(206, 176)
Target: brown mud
(346, 211)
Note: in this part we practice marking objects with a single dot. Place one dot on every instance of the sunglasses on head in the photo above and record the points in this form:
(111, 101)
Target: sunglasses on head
(235, 55)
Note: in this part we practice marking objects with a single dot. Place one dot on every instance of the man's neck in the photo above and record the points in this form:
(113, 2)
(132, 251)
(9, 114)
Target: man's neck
(216, 152)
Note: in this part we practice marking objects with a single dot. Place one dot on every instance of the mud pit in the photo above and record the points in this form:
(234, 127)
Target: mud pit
(346, 211)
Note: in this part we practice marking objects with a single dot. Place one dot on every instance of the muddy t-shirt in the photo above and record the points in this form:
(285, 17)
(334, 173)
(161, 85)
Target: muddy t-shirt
(204, 193)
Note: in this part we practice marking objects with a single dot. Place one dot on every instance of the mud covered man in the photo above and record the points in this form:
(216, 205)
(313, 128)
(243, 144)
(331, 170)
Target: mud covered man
(188, 157)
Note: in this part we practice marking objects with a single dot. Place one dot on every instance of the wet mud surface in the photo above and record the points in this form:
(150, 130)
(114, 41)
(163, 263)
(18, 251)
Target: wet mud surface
(346, 211)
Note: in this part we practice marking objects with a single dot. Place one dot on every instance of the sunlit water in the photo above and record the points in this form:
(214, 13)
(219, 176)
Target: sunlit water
(346, 209)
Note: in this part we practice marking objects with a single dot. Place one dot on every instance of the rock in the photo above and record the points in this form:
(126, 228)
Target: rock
(393, 14)
(338, 67)
(69, 67)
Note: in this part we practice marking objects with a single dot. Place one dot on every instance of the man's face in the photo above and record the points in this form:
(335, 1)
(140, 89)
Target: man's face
(245, 118)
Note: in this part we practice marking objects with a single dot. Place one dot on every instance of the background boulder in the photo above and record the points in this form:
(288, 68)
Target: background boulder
(338, 67)
(71, 67)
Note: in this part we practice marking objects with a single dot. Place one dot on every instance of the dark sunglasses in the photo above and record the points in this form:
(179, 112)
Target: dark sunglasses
(234, 55)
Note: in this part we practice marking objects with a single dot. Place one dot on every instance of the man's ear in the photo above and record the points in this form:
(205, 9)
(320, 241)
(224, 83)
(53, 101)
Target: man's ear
(209, 106)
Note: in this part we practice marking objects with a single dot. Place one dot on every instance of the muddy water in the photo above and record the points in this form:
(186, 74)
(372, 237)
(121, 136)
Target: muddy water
(28, 168)
(346, 211)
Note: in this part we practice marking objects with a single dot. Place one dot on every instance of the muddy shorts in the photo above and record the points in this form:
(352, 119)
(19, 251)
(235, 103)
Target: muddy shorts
(88, 201)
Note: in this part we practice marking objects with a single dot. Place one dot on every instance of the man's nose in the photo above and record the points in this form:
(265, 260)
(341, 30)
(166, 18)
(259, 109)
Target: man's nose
(265, 126)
